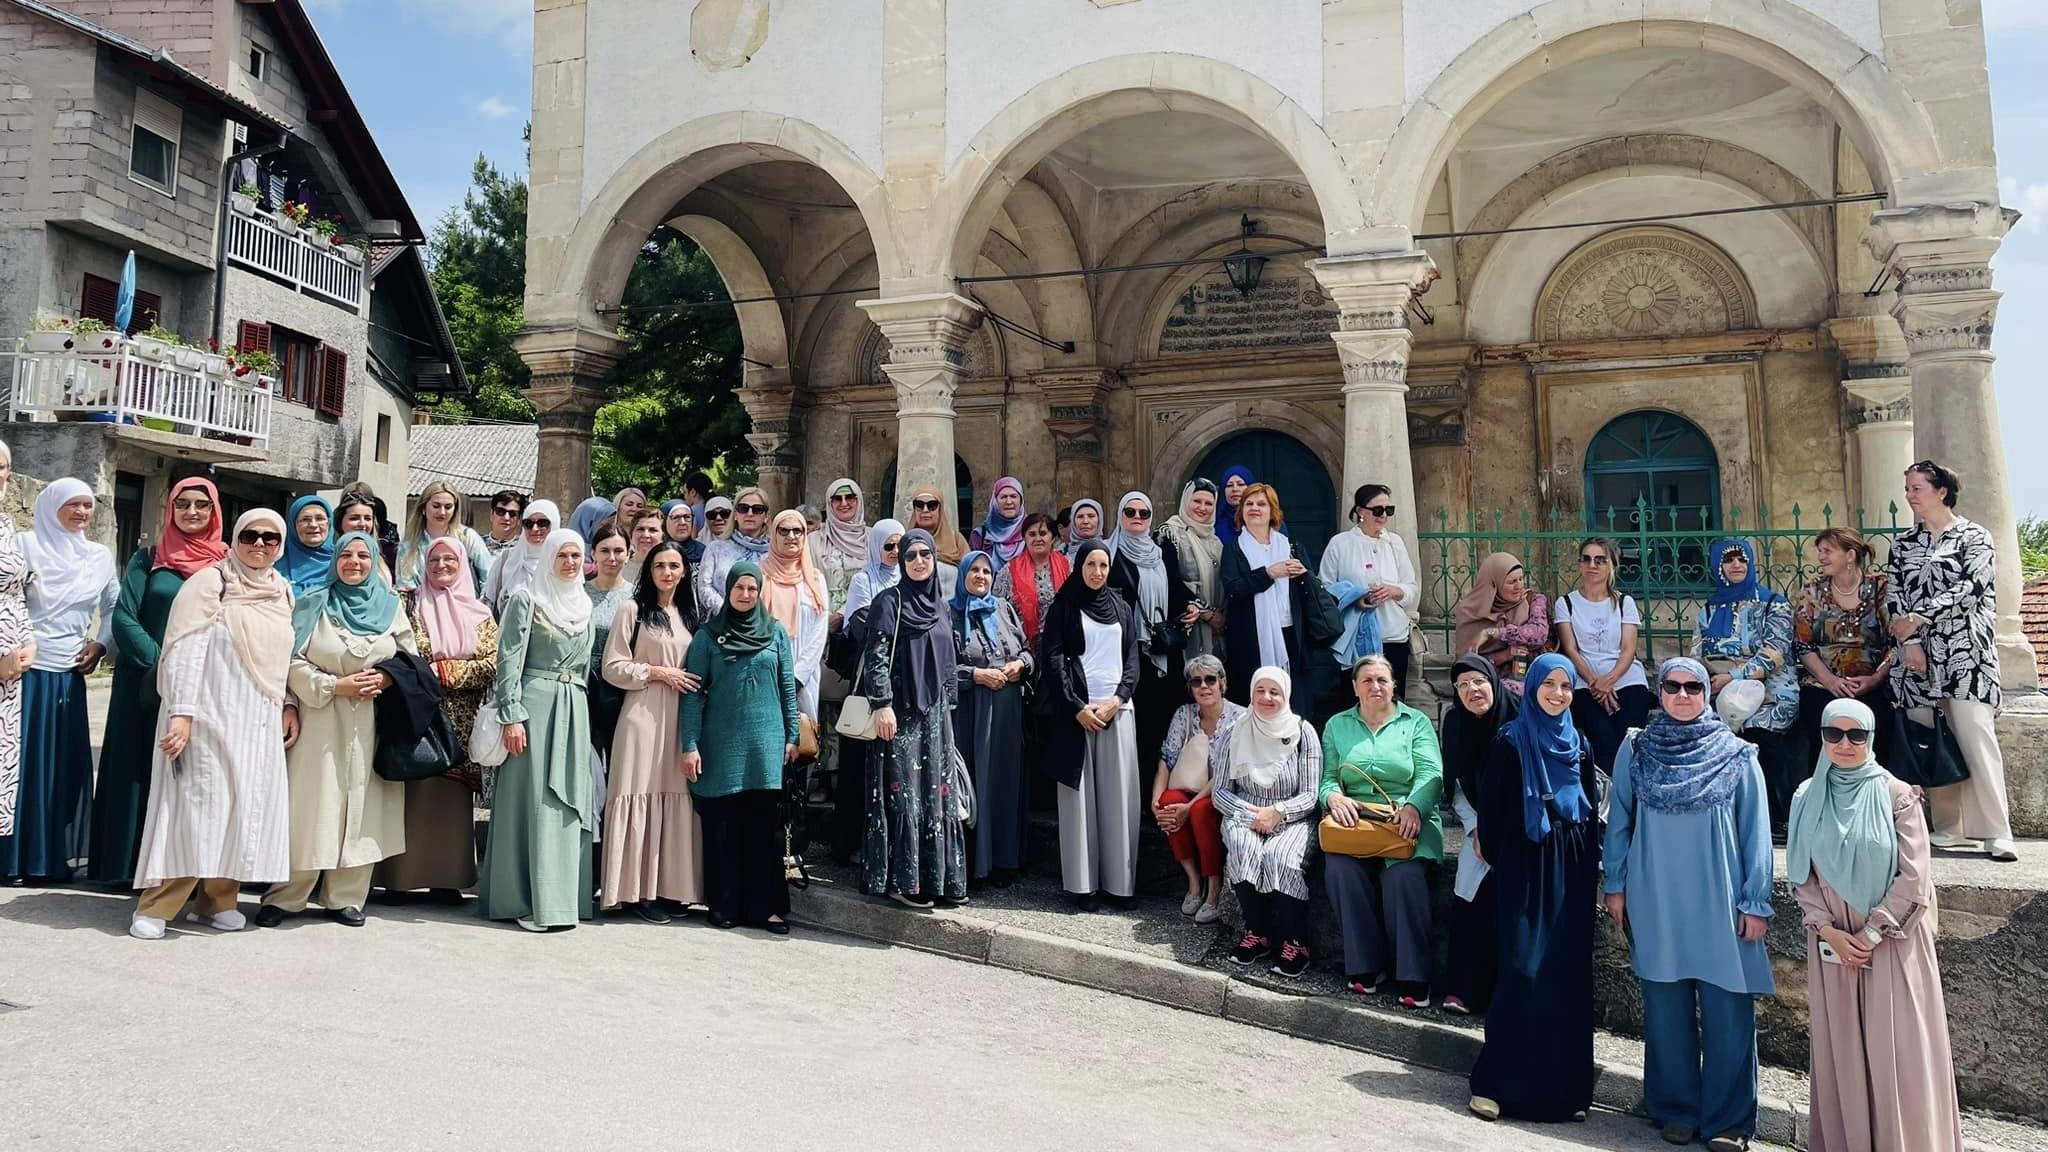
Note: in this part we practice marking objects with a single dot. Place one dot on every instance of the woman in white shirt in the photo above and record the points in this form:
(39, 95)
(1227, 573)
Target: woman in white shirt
(1376, 561)
(1598, 629)
(1088, 671)
(73, 581)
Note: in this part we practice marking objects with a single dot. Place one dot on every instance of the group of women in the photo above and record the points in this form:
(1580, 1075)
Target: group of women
(641, 693)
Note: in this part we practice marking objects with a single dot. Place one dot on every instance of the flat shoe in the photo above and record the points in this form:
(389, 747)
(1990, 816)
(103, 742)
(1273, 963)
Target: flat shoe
(1208, 914)
(777, 927)
(721, 922)
(527, 923)
(2003, 851)
(228, 921)
(652, 913)
(352, 917)
(1679, 1133)
(1485, 1109)
(1728, 1142)
(1456, 1007)
(270, 916)
(146, 927)
(909, 901)
(1189, 905)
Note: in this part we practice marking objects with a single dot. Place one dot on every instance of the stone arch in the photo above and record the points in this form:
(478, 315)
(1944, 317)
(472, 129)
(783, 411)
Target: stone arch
(596, 257)
(1889, 128)
(763, 335)
(1034, 124)
(1654, 151)
(1066, 312)
(1652, 281)
(1191, 441)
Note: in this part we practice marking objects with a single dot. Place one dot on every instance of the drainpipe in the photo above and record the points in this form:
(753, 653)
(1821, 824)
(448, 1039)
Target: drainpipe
(220, 229)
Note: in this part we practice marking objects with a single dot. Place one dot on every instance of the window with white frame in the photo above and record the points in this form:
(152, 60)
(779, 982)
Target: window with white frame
(153, 149)
(258, 61)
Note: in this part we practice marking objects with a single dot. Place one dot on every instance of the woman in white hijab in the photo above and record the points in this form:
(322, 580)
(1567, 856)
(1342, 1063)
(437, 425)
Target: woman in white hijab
(515, 567)
(1269, 774)
(71, 610)
(219, 815)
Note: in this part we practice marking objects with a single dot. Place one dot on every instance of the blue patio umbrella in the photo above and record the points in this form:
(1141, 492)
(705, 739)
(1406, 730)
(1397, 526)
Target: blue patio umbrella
(124, 303)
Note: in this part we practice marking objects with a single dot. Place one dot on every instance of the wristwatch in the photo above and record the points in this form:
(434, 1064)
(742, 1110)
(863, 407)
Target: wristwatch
(1872, 936)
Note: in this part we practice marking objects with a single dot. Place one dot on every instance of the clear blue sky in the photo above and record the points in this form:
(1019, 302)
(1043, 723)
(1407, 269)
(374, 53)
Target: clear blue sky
(442, 80)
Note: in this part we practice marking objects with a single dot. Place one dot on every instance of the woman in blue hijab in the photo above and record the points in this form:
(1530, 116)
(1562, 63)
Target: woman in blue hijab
(1745, 633)
(1688, 872)
(1236, 479)
(1538, 817)
(308, 544)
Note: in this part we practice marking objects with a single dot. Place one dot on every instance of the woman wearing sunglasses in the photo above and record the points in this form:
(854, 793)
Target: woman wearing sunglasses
(928, 512)
(1537, 808)
(1373, 559)
(1181, 802)
(1745, 633)
(218, 816)
(515, 568)
(1859, 865)
(1597, 629)
(1688, 872)
(748, 541)
(1145, 571)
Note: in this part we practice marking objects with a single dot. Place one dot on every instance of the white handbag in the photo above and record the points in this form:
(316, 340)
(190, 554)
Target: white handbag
(856, 715)
(487, 739)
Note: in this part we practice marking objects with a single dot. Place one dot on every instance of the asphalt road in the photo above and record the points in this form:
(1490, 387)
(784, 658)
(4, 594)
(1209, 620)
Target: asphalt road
(429, 1029)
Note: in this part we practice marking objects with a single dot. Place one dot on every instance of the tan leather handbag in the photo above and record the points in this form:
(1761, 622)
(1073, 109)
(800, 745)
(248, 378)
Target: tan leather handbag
(1374, 836)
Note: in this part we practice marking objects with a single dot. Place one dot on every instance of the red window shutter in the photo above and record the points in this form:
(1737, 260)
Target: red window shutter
(253, 336)
(333, 397)
(99, 299)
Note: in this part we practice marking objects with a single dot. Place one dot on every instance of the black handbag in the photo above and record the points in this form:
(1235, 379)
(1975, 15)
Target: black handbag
(433, 754)
(1926, 755)
(1325, 623)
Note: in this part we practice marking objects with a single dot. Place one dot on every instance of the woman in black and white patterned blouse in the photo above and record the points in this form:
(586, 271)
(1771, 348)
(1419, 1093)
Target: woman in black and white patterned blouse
(1944, 614)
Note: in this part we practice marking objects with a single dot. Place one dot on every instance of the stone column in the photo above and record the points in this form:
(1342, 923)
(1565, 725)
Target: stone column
(1075, 416)
(1940, 256)
(1373, 341)
(569, 366)
(776, 431)
(1878, 388)
(927, 356)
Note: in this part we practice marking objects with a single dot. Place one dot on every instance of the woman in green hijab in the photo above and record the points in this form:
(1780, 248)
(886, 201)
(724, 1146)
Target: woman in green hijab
(1858, 863)
(743, 658)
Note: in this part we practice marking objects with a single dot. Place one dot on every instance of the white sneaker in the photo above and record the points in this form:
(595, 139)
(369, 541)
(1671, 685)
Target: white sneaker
(146, 927)
(1208, 914)
(528, 924)
(1189, 903)
(2003, 851)
(228, 921)
(1950, 840)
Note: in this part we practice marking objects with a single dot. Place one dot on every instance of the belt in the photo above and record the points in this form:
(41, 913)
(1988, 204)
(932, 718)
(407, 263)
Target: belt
(563, 676)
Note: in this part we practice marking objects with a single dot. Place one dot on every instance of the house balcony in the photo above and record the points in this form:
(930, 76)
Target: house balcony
(257, 241)
(179, 391)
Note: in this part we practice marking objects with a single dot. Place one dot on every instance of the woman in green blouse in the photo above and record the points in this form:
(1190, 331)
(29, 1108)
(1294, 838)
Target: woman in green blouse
(745, 664)
(1381, 751)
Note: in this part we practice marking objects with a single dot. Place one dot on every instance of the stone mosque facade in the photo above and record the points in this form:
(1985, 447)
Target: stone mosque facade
(1783, 294)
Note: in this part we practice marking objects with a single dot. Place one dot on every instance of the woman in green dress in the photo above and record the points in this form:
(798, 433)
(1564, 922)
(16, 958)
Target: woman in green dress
(189, 540)
(744, 661)
(537, 866)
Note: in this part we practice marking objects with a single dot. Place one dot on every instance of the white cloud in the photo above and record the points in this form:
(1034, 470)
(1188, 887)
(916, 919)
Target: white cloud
(492, 108)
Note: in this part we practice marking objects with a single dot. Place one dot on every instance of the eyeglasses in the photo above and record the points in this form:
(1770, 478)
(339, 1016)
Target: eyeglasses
(1137, 513)
(925, 505)
(845, 497)
(200, 505)
(751, 509)
(793, 531)
(1380, 510)
(508, 513)
(1596, 560)
(255, 539)
(891, 546)
(718, 514)
(1852, 735)
(1683, 688)
(1204, 681)
(538, 522)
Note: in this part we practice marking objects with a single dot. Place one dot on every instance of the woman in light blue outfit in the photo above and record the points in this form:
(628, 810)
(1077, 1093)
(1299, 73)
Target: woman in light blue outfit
(1745, 633)
(1688, 870)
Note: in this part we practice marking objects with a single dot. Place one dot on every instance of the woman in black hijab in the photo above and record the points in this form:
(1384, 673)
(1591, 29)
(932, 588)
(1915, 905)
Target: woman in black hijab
(916, 849)
(1088, 670)
(1483, 706)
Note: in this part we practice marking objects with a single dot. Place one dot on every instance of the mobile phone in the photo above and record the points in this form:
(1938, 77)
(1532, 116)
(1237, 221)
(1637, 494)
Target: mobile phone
(1828, 954)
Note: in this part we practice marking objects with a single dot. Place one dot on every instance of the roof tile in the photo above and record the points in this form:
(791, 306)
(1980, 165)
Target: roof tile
(478, 459)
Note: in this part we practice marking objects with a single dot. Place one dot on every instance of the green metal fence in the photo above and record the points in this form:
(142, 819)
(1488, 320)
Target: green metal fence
(1664, 561)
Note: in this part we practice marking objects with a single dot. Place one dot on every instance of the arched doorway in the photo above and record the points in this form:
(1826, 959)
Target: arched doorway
(1307, 497)
(1654, 471)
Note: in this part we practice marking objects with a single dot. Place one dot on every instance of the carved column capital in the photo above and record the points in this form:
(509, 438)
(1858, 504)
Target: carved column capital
(1940, 257)
(927, 347)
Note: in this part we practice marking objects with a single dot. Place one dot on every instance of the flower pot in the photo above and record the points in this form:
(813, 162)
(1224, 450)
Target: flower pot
(151, 348)
(190, 359)
(97, 342)
(350, 253)
(58, 340)
(319, 239)
(156, 425)
(213, 364)
(285, 224)
(243, 205)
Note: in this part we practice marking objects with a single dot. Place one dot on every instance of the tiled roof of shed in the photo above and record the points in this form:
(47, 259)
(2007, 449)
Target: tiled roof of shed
(478, 459)
(2034, 621)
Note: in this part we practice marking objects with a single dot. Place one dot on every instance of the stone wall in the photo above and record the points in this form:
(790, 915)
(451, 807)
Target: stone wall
(307, 450)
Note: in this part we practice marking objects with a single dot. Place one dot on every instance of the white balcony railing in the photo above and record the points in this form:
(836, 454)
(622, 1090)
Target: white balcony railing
(123, 386)
(255, 242)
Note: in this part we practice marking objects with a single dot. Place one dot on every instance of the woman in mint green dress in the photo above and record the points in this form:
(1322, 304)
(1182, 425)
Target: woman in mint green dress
(537, 867)
(734, 765)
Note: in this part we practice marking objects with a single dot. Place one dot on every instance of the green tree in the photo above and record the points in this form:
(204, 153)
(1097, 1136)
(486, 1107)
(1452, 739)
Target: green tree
(2033, 547)
(478, 253)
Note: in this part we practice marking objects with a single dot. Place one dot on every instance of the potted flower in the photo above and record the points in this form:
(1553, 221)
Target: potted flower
(293, 216)
(255, 361)
(156, 342)
(243, 199)
(52, 332)
(93, 335)
(323, 230)
(350, 249)
(213, 361)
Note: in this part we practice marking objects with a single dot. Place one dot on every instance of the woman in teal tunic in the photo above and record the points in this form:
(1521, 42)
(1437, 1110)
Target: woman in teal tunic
(537, 867)
(1688, 863)
(744, 660)
(189, 540)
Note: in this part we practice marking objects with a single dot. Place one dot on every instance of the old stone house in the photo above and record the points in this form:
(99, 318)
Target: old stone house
(1502, 255)
(130, 126)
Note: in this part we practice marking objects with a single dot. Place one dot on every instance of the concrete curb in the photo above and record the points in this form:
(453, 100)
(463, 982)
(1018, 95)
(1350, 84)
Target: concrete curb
(1407, 1037)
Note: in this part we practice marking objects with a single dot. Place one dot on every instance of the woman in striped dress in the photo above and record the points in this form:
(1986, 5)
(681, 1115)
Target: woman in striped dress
(1269, 772)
